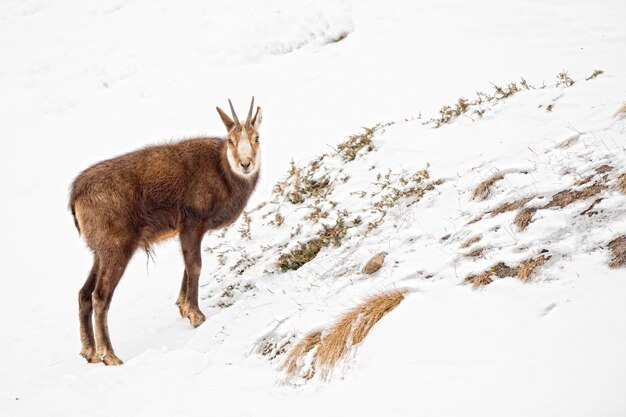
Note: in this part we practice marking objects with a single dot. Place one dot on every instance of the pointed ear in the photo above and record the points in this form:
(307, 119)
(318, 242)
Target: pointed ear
(228, 122)
(258, 118)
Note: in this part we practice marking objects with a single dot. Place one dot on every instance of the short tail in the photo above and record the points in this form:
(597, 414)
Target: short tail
(75, 219)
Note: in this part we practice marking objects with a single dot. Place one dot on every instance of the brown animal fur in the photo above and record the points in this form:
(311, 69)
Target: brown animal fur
(184, 188)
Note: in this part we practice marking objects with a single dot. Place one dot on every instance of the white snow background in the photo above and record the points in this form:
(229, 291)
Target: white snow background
(82, 81)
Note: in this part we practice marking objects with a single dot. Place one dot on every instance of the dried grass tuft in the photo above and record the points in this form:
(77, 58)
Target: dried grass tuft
(374, 264)
(524, 217)
(603, 169)
(480, 280)
(621, 183)
(527, 268)
(483, 189)
(337, 342)
(469, 242)
(475, 253)
(524, 271)
(566, 197)
(293, 363)
(352, 328)
(621, 112)
(514, 205)
(618, 249)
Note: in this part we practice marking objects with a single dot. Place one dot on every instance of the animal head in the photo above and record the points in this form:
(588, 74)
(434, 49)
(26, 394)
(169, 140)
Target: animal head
(243, 151)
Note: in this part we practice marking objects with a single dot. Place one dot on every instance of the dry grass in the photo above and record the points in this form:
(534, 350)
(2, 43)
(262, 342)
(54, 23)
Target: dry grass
(621, 183)
(337, 342)
(475, 253)
(483, 189)
(594, 74)
(352, 328)
(469, 242)
(527, 269)
(618, 249)
(604, 169)
(351, 147)
(565, 198)
(621, 112)
(524, 217)
(374, 263)
(480, 280)
(293, 363)
(514, 205)
(524, 271)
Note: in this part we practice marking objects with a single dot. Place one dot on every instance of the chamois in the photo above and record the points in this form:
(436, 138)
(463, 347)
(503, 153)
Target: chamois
(184, 188)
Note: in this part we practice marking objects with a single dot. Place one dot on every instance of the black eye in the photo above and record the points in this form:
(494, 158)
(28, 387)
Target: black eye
(258, 139)
(230, 142)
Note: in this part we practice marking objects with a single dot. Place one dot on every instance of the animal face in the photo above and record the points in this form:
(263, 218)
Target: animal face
(243, 150)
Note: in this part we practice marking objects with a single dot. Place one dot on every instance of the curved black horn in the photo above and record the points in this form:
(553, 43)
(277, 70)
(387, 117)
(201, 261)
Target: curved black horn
(249, 119)
(235, 118)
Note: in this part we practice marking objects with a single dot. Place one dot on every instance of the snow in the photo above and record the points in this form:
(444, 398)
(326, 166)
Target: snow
(84, 81)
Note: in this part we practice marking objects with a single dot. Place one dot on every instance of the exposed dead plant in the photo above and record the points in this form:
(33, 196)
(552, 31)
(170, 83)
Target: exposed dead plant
(294, 361)
(469, 242)
(483, 189)
(566, 197)
(524, 217)
(524, 271)
(618, 252)
(514, 205)
(352, 328)
(621, 183)
(374, 263)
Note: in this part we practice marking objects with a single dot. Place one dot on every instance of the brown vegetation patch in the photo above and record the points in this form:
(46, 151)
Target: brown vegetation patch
(337, 342)
(480, 280)
(594, 74)
(618, 249)
(475, 253)
(524, 217)
(524, 271)
(352, 329)
(469, 242)
(351, 147)
(565, 198)
(305, 252)
(511, 206)
(293, 364)
(621, 183)
(374, 264)
(502, 270)
(483, 189)
(603, 169)
(527, 268)
(589, 211)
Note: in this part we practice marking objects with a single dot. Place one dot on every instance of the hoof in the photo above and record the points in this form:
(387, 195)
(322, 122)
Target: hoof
(196, 318)
(182, 309)
(89, 355)
(111, 360)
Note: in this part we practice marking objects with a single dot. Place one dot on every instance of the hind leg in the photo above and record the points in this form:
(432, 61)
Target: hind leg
(85, 309)
(182, 296)
(110, 272)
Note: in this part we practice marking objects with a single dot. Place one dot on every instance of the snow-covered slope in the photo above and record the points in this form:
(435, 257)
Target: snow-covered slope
(86, 81)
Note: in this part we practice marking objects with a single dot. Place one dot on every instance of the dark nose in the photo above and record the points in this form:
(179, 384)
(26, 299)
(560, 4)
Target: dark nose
(245, 165)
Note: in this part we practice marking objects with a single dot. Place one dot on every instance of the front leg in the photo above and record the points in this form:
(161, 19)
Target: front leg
(191, 240)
